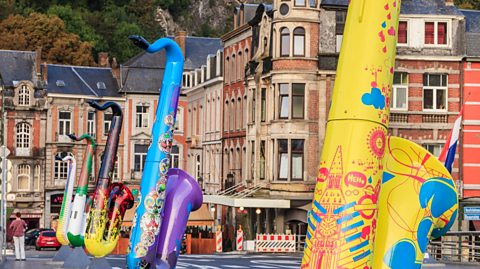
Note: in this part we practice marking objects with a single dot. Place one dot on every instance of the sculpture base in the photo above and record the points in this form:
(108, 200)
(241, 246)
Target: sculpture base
(99, 263)
(77, 259)
(62, 254)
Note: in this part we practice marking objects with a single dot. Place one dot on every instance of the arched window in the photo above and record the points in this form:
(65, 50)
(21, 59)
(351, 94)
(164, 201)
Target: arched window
(24, 96)
(23, 177)
(233, 76)
(240, 66)
(23, 136)
(247, 56)
(179, 121)
(60, 172)
(239, 113)
(227, 71)
(299, 42)
(284, 42)
(232, 115)
(198, 167)
(36, 177)
(225, 122)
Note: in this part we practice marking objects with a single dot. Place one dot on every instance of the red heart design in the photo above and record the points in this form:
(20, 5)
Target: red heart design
(386, 7)
(382, 36)
(389, 16)
(385, 49)
(391, 31)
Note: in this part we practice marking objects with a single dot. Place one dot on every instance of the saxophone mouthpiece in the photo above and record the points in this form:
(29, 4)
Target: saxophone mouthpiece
(116, 109)
(139, 41)
(73, 137)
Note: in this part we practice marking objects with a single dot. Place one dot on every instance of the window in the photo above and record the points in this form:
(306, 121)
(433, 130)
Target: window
(179, 120)
(263, 109)
(91, 123)
(402, 32)
(436, 33)
(399, 91)
(227, 71)
(299, 42)
(23, 136)
(37, 178)
(140, 156)
(23, 177)
(299, 3)
(298, 100)
(252, 160)
(262, 159)
(24, 96)
(64, 123)
(225, 113)
(284, 42)
(107, 121)
(60, 172)
(254, 104)
(435, 92)
(232, 115)
(297, 160)
(283, 162)
(198, 167)
(239, 66)
(238, 113)
(290, 165)
(141, 117)
(435, 149)
(284, 101)
(233, 70)
(175, 157)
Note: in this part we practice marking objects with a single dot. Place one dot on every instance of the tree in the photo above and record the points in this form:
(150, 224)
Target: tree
(75, 23)
(47, 32)
(123, 48)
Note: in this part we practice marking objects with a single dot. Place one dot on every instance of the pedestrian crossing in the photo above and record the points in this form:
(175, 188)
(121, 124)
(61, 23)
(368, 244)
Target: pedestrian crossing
(238, 262)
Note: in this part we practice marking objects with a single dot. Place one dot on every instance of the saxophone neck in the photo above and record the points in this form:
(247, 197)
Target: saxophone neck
(173, 51)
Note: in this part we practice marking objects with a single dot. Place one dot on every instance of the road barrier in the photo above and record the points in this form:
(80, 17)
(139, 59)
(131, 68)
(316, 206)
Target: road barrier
(218, 240)
(239, 240)
(275, 243)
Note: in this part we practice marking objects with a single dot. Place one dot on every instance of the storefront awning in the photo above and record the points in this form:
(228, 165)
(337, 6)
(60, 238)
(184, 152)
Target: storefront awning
(246, 202)
(201, 217)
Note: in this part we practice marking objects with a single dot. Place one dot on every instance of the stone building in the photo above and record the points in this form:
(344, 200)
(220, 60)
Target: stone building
(24, 131)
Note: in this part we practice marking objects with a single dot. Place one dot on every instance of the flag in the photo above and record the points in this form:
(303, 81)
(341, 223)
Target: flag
(448, 153)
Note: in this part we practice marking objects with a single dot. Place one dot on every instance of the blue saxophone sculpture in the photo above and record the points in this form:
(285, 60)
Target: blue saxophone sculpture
(162, 210)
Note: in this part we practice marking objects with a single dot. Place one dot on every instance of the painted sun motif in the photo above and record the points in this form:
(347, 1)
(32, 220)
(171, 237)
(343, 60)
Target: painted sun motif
(376, 142)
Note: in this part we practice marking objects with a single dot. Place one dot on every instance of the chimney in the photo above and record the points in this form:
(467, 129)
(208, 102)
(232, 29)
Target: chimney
(44, 72)
(449, 3)
(181, 39)
(38, 59)
(103, 59)
(116, 70)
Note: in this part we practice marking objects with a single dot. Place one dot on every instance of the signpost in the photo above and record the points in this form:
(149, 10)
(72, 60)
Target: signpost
(471, 213)
(3, 205)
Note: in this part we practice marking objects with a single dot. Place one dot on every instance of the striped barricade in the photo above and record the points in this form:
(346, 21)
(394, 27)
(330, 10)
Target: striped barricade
(275, 243)
(239, 240)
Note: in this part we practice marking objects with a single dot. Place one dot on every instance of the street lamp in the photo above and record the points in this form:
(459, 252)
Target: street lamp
(2, 89)
(229, 184)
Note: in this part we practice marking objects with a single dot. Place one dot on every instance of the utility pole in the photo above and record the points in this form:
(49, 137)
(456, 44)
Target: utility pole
(4, 152)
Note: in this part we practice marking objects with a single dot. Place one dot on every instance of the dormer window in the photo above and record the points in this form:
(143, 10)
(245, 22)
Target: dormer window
(435, 33)
(101, 86)
(24, 96)
(300, 3)
(60, 83)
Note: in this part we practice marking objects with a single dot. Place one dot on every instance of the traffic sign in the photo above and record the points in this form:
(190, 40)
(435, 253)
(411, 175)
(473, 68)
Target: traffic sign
(471, 213)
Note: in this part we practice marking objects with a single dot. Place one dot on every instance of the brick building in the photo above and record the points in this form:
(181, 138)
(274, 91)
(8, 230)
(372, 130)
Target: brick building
(470, 137)
(24, 131)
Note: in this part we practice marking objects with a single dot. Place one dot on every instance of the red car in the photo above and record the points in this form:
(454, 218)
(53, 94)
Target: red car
(47, 239)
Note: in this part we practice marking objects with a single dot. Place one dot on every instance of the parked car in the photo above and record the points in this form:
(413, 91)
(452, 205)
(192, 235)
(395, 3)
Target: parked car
(47, 239)
(32, 235)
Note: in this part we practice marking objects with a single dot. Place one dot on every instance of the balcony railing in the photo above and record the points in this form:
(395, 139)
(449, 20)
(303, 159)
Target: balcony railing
(461, 247)
(418, 117)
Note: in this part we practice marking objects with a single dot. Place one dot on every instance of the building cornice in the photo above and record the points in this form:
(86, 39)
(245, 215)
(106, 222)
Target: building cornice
(90, 97)
(435, 58)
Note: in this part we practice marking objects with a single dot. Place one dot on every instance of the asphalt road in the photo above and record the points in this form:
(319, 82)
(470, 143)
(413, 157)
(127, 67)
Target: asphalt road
(41, 260)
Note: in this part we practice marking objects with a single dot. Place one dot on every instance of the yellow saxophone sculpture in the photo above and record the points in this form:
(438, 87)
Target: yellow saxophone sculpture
(378, 199)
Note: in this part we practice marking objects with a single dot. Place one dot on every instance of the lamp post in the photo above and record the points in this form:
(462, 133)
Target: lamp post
(3, 204)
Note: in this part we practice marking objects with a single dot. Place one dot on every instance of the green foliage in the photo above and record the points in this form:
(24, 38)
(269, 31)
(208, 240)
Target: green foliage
(468, 4)
(123, 48)
(46, 32)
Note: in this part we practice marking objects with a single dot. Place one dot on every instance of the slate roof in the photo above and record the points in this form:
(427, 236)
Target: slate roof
(144, 72)
(16, 66)
(81, 80)
(472, 35)
(417, 7)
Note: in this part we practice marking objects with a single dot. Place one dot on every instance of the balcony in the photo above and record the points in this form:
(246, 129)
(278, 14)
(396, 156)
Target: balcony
(22, 152)
(407, 117)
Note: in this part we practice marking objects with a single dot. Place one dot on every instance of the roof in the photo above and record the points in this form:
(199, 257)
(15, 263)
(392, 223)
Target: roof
(81, 80)
(144, 72)
(417, 7)
(472, 35)
(16, 66)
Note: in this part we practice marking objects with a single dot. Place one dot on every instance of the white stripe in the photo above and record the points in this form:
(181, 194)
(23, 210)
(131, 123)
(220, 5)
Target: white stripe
(472, 103)
(471, 131)
(471, 146)
(471, 165)
(456, 131)
(472, 84)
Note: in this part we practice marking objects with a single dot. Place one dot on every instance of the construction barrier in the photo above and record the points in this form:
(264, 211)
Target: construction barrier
(275, 243)
(218, 239)
(240, 239)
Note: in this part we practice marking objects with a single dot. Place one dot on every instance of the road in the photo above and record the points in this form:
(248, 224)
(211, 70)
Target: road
(41, 260)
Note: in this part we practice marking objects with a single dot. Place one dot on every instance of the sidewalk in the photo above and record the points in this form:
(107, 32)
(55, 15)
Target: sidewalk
(30, 263)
